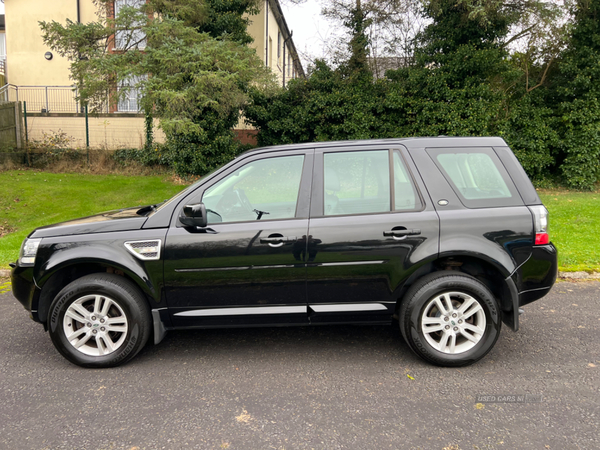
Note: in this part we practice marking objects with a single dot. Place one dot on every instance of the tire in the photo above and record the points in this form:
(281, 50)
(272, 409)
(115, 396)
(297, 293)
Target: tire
(450, 319)
(99, 320)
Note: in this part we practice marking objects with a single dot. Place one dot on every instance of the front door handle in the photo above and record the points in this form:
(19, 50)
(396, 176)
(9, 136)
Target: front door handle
(402, 233)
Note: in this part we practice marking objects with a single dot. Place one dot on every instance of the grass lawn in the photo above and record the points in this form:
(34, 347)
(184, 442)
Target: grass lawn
(574, 228)
(30, 199)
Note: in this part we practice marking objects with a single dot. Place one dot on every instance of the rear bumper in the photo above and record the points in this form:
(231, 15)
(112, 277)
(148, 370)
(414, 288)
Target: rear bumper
(531, 281)
(536, 277)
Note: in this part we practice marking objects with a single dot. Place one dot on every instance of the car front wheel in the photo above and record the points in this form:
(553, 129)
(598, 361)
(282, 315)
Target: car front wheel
(450, 319)
(99, 320)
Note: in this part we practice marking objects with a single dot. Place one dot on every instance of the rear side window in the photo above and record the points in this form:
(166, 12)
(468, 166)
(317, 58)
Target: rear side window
(356, 182)
(405, 193)
(361, 182)
(477, 176)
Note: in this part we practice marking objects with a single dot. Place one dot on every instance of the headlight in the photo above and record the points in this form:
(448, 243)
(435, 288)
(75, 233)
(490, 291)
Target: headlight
(28, 251)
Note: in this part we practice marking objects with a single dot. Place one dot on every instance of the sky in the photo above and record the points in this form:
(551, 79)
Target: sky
(311, 31)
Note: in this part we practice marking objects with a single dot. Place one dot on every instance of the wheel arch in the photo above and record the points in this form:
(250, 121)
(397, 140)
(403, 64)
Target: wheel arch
(495, 277)
(58, 276)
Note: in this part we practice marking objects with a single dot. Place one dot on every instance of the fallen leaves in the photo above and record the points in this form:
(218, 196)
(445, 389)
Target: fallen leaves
(244, 417)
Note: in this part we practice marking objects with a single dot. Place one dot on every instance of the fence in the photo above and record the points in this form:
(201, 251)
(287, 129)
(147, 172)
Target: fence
(10, 125)
(46, 99)
(2, 71)
(50, 111)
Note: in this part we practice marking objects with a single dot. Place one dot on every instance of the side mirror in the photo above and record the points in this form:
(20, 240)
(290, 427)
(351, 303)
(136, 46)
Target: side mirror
(194, 216)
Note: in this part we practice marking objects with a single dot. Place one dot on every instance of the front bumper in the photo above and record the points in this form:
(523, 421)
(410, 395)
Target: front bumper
(25, 290)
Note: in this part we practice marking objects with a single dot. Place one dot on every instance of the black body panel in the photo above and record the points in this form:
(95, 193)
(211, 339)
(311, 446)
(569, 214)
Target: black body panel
(328, 269)
(108, 222)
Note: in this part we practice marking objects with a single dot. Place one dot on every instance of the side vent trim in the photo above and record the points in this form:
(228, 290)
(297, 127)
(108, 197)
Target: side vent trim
(148, 250)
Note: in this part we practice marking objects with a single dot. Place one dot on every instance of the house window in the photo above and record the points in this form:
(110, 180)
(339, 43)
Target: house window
(2, 47)
(279, 48)
(134, 38)
(270, 52)
(130, 94)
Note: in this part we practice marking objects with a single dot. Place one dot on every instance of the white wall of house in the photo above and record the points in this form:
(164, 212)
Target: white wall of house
(28, 66)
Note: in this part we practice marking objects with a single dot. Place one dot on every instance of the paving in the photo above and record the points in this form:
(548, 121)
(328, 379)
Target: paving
(329, 387)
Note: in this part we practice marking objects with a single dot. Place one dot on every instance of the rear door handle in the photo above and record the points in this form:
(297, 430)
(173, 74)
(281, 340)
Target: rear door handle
(278, 241)
(401, 233)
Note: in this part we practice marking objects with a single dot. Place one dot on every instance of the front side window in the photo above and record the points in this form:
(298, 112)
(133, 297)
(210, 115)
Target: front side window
(264, 189)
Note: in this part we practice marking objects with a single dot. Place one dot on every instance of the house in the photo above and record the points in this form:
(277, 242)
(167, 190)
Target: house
(381, 64)
(41, 78)
(2, 51)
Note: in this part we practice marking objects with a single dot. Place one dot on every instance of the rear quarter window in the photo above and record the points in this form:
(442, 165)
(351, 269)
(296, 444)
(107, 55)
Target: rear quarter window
(477, 176)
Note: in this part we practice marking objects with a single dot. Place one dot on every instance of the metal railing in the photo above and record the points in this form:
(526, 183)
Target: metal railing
(4, 93)
(44, 99)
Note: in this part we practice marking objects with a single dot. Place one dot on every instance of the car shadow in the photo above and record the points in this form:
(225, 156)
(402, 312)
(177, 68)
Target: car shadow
(318, 343)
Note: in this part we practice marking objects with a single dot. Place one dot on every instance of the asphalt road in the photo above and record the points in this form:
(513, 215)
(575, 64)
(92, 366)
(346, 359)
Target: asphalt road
(334, 387)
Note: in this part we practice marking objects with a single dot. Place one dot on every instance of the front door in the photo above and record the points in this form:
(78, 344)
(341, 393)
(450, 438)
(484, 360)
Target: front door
(247, 266)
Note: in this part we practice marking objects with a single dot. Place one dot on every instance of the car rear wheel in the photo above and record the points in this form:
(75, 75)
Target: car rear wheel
(100, 320)
(450, 319)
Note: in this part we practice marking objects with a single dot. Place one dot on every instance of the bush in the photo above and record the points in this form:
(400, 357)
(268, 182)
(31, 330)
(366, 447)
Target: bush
(185, 156)
(531, 132)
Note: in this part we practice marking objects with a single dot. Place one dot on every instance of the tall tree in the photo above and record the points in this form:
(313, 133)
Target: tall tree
(388, 25)
(357, 23)
(188, 59)
(578, 93)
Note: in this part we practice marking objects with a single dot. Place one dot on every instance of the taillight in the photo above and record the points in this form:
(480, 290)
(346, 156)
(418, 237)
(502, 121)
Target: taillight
(540, 222)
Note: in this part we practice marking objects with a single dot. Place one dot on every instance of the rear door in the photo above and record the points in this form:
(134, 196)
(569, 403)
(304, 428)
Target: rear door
(371, 226)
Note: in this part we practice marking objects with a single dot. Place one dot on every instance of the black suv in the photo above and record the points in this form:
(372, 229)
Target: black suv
(446, 235)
